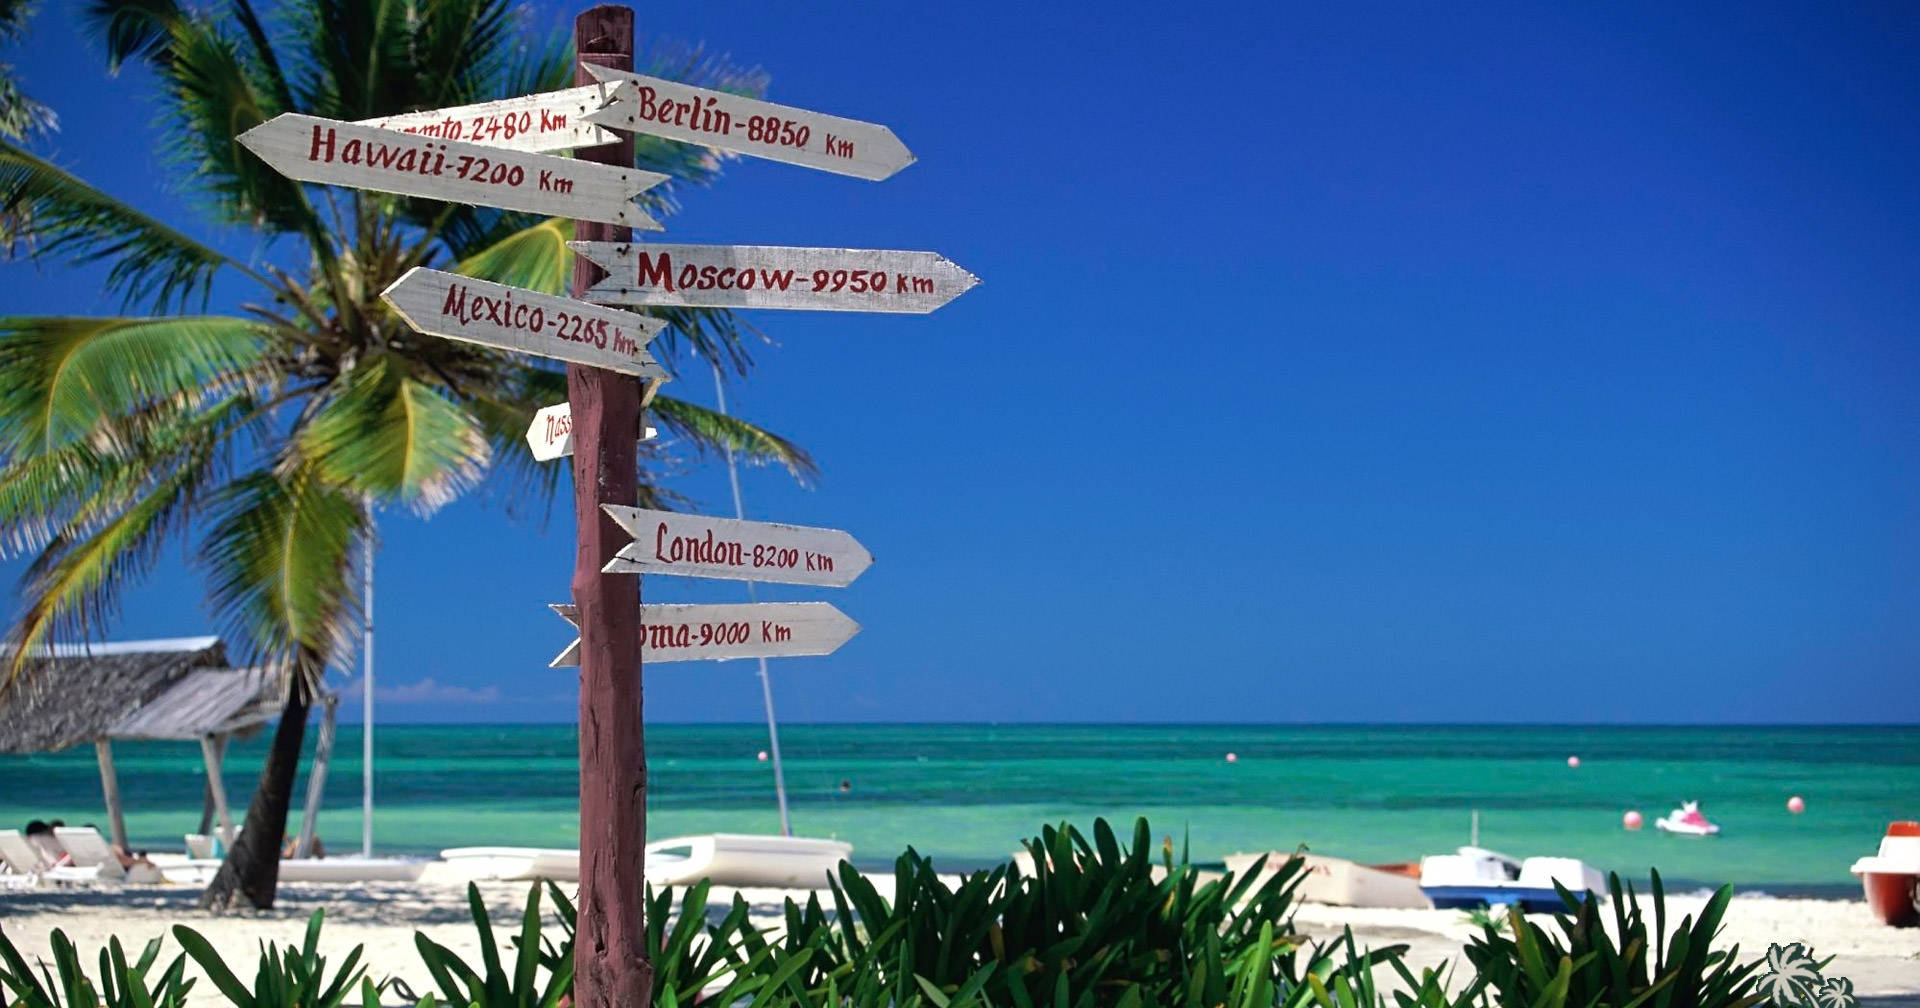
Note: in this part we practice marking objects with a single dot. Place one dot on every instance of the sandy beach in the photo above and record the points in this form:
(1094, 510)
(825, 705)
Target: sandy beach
(1882, 962)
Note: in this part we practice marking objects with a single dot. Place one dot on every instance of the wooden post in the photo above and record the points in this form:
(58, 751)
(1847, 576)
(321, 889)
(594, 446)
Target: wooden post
(317, 778)
(610, 965)
(214, 751)
(110, 787)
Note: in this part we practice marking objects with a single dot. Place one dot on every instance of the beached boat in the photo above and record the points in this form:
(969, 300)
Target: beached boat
(1340, 882)
(1477, 877)
(351, 868)
(480, 864)
(1687, 820)
(1891, 878)
(742, 859)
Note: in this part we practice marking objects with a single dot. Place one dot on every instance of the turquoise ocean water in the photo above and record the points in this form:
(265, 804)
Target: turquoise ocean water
(966, 794)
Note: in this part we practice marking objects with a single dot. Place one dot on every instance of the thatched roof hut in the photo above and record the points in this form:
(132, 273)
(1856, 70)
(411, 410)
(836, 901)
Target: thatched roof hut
(180, 688)
(76, 693)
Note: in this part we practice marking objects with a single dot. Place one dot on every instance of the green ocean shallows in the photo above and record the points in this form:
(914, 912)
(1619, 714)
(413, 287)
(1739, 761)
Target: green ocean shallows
(966, 794)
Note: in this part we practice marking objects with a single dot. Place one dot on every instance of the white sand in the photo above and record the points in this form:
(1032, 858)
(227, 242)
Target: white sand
(1882, 962)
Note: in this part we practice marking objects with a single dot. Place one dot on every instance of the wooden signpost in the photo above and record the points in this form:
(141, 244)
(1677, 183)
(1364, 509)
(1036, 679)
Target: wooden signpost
(312, 149)
(480, 311)
(493, 154)
(711, 118)
(672, 632)
(770, 276)
(667, 542)
(549, 121)
(550, 436)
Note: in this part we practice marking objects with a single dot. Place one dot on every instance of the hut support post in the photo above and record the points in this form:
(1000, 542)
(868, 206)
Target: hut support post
(213, 749)
(317, 778)
(110, 787)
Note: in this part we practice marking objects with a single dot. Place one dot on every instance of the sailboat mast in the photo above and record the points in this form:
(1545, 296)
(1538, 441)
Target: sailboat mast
(766, 684)
(366, 696)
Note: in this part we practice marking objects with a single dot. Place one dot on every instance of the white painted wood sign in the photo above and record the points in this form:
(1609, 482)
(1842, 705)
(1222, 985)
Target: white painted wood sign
(771, 276)
(496, 315)
(749, 126)
(667, 542)
(312, 149)
(675, 632)
(549, 121)
(550, 436)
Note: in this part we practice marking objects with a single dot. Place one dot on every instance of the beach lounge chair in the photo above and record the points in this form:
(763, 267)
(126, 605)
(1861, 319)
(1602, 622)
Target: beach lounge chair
(24, 862)
(89, 849)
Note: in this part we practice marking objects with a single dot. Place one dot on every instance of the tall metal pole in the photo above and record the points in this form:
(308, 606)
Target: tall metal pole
(766, 684)
(366, 696)
(610, 965)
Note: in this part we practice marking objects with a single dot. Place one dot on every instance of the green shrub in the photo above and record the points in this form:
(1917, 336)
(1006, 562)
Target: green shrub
(492, 986)
(295, 978)
(121, 984)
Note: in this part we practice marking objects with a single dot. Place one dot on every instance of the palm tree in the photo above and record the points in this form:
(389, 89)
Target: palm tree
(271, 431)
(20, 116)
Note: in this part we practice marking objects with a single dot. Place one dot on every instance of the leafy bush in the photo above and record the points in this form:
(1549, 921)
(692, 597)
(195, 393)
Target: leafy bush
(121, 984)
(295, 978)
(461, 984)
(1647, 968)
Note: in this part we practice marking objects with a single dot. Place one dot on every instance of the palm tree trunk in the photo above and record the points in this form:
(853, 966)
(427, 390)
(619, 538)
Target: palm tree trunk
(251, 871)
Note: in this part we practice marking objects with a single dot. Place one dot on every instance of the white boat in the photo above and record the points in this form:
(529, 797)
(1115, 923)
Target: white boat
(478, 864)
(743, 859)
(1477, 877)
(1890, 879)
(351, 868)
(1687, 820)
(1340, 882)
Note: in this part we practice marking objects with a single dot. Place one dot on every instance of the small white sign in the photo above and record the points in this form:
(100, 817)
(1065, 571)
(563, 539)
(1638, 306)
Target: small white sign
(550, 436)
(772, 276)
(674, 632)
(668, 542)
(749, 126)
(312, 149)
(549, 121)
(512, 318)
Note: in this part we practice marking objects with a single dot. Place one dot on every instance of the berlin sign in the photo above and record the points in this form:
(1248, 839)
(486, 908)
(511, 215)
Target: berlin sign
(769, 276)
(667, 542)
(676, 632)
(749, 126)
(312, 149)
(549, 121)
(550, 436)
(496, 315)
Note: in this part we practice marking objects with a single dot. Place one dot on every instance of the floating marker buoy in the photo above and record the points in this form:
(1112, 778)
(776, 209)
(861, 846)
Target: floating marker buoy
(1574, 762)
(1233, 758)
(1796, 805)
(763, 756)
(1632, 820)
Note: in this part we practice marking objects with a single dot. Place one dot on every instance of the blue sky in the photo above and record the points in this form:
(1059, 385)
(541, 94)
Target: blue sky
(1333, 362)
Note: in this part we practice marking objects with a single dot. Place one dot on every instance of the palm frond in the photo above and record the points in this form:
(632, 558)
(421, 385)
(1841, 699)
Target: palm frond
(60, 378)
(708, 430)
(279, 558)
(153, 265)
(525, 485)
(386, 434)
(461, 51)
(133, 30)
(20, 116)
(536, 258)
(74, 585)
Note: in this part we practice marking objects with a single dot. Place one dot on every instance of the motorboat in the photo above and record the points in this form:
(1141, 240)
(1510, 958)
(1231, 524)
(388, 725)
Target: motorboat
(1891, 878)
(1477, 877)
(1340, 882)
(1687, 820)
(746, 859)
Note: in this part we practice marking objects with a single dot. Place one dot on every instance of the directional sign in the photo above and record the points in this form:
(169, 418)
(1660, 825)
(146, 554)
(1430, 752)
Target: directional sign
(496, 315)
(312, 149)
(743, 630)
(551, 434)
(769, 276)
(666, 542)
(548, 121)
(749, 126)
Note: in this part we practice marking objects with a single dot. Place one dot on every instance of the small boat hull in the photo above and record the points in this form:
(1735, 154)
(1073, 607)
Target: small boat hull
(1894, 897)
(1679, 828)
(1338, 882)
(1468, 897)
